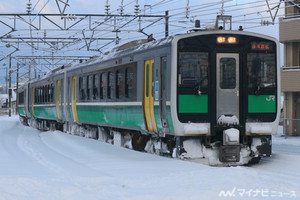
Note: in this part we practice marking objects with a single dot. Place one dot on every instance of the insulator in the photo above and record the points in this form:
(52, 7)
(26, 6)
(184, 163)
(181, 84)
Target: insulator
(137, 9)
(28, 8)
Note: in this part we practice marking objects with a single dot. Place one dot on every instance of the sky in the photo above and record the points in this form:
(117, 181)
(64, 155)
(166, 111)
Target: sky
(183, 13)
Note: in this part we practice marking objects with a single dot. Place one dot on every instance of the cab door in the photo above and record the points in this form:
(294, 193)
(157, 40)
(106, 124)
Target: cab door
(148, 102)
(227, 85)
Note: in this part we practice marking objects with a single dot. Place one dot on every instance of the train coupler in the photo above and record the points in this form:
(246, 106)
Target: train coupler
(229, 153)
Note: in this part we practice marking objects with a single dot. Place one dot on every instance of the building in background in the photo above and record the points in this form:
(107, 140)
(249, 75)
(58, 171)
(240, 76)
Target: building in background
(289, 35)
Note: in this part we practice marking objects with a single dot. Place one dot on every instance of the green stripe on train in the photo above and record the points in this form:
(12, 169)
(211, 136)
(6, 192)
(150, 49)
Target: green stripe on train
(21, 110)
(119, 115)
(261, 103)
(193, 104)
(48, 112)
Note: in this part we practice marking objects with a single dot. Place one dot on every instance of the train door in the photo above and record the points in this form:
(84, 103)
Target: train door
(227, 86)
(57, 100)
(74, 110)
(61, 99)
(163, 92)
(148, 102)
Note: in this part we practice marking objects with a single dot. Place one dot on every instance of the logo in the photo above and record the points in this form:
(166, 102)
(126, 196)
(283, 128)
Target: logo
(270, 98)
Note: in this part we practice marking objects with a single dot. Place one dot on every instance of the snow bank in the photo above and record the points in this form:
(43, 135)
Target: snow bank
(38, 165)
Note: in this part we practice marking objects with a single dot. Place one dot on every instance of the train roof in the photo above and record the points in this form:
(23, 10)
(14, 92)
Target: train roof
(139, 46)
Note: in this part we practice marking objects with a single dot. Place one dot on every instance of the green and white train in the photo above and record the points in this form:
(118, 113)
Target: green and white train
(219, 89)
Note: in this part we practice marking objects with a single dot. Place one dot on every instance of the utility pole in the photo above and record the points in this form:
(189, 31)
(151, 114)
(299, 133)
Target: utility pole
(17, 98)
(167, 24)
(9, 88)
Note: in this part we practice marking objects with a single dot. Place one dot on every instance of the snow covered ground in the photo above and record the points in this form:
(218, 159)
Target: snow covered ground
(38, 165)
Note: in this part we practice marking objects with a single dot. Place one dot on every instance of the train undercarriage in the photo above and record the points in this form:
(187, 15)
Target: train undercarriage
(248, 150)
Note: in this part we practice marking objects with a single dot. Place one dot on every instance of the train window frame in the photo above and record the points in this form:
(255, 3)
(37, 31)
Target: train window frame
(89, 86)
(192, 81)
(129, 82)
(119, 84)
(81, 87)
(103, 85)
(111, 81)
(46, 94)
(255, 81)
(95, 86)
(225, 70)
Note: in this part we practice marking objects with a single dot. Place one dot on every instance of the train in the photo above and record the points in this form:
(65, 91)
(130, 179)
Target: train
(211, 94)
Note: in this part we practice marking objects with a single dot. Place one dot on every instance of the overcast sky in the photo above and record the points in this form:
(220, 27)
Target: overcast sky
(247, 13)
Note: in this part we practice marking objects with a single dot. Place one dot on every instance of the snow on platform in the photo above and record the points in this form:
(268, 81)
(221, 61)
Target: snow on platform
(38, 165)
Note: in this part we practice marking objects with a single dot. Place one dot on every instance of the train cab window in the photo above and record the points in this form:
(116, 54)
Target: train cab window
(262, 70)
(129, 82)
(111, 85)
(95, 86)
(227, 73)
(103, 85)
(120, 84)
(192, 70)
(89, 85)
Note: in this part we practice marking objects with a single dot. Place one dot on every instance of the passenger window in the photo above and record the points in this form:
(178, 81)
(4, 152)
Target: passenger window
(129, 82)
(111, 85)
(103, 85)
(95, 86)
(120, 84)
(46, 93)
(81, 87)
(89, 86)
(43, 94)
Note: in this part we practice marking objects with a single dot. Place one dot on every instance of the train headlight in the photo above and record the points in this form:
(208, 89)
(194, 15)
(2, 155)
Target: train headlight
(221, 39)
(231, 40)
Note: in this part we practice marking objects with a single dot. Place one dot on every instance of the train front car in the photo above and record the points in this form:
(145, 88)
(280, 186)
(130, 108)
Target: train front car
(226, 87)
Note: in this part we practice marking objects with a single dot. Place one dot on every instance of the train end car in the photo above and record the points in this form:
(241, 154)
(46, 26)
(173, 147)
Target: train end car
(226, 90)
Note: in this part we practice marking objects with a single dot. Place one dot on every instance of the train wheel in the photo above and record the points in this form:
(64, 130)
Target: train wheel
(139, 141)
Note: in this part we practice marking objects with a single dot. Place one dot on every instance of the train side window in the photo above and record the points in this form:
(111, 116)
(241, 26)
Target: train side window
(129, 82)
(35, 95)
(120, 84)
(111, 85)
(21, 98)
(43, 94)
(46, 93)
(103, 85)
(81, 87)
(95, 86)
(51, 93)
(89, 85)
(40, 95)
